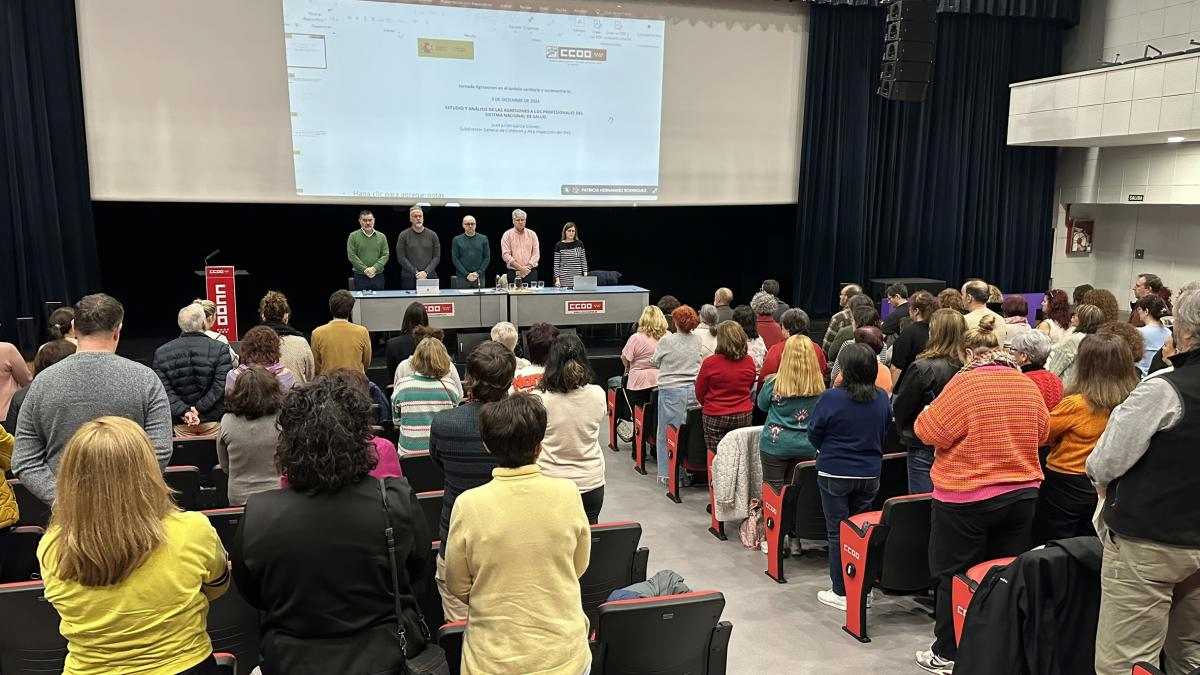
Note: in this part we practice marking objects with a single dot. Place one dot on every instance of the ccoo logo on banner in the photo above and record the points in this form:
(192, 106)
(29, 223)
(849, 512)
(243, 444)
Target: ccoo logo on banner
(585, 307)
(219, 281)
(436, 309)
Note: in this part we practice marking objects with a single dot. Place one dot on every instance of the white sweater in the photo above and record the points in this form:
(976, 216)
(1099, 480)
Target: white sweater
(571, 448)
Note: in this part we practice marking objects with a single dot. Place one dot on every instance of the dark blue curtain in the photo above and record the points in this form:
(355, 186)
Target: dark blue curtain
(47, 240)
(930, 189)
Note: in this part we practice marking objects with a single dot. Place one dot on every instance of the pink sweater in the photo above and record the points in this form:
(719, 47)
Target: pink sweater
(14, 374)
(388, 466)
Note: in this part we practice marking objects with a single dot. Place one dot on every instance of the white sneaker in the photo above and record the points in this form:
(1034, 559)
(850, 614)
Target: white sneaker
(763, 547)
(934, 663)
(832, 599)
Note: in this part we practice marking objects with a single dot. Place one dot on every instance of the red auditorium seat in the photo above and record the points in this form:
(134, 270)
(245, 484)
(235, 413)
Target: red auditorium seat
(33, 510)
(618, 409)
(794, 510)
(1144, 668)
(685, 450)
(645, 431)
(886, 549)
(962, 589)
(422, 473)
(616, 562)
(20, 562)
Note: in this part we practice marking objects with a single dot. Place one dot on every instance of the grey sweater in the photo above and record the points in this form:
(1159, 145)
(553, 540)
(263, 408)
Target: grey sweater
(77, 390)
(246, 449)
(418, 252)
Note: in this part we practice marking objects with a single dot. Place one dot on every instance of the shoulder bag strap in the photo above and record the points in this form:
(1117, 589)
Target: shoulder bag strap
(390, 539)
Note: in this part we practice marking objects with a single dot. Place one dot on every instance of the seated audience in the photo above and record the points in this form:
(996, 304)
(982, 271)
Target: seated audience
(506, 334)
(1078, 294)
(1057, 312)
(294, 351)
(788, 398)
(862, 313)
(576, 409)
(260, 347)
(977, 294)
(841, 318)
(1105, 301)
(707, 330)
(985, 429)
(130, 578)
(641, 375)
(1016, 316)
(456, 446)
(1067, 499)
(14, 375)
(210, 320)
(538, 340)
(847, 427)
(872, 337)
(667, 304)
(913, 338)
(771, 287)
(312, 558)
(48, 354)
(193, 368)
(248, 436)
(1031, 352)
(1128, 334)
(723, 301)
(923, 381)
(724, 383)
(677, 358)
(1150, 310)
(522, 592)
(93, 382)
(418, 396)
(952, 298)
(764, 306)
(1145, 470)
(402, 346)
(339, 343)
(898, 319)
(795, 322)
(406, 369)
(755, 347)
(1086, 320)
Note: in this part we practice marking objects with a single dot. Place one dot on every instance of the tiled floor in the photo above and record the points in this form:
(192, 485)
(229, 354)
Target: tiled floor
(777, 628)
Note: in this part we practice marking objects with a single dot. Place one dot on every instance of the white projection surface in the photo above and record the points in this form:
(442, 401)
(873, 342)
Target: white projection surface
(475, 103)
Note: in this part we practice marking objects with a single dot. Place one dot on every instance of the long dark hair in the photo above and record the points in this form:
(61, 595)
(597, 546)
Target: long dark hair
(414, 316)
(859, 370)
(567, 366)
(1058, 307)
(60, 322)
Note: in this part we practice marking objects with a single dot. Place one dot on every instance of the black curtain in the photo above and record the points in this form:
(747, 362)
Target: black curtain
(930, 189)
(47, 241)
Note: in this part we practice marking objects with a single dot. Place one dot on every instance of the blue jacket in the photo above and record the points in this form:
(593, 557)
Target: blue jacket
(849, 435)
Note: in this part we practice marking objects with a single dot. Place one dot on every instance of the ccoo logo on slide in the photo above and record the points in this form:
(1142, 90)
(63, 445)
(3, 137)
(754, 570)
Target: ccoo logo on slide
(556, 53)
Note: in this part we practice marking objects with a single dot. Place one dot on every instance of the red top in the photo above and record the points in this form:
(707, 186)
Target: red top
(723, 386)
(771, 332)
(775, 356)
(1049, 384)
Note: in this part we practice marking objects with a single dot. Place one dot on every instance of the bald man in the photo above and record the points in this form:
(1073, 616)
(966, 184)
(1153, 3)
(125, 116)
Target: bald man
(471, 255)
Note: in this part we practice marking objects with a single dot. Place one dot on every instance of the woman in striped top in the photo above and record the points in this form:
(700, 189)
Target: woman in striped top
(570, 257)
(419, 395)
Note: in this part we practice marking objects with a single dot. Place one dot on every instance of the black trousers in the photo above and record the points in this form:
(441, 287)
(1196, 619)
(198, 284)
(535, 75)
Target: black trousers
(593, 500)
(638, 397)
(206, 667)
(964, 535)
(1066, 504)
(776, 470)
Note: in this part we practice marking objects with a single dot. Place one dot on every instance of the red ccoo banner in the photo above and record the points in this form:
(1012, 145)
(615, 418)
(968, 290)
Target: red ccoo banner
(439, 309)
(584, 307)
(219, 281)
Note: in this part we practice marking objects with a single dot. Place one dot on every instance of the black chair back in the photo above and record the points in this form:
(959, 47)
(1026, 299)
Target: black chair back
(431, 507)
(422, 474)
(33, 511)
(613, 564)
(198, 452)
(30, 641)
(906, 552)
(467, 342)
(427, 593)
(691, 439)
(808, 520)
(20, 562)
(671, 634)
(450, 639)
(185, 481)
(233, 628)
(893, 478)
(225, 522)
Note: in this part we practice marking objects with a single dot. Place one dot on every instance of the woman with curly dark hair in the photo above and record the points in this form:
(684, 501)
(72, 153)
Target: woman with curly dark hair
(260, 347)
(294, 351)
(317, 558)
(1056, 308)
(1103, 299)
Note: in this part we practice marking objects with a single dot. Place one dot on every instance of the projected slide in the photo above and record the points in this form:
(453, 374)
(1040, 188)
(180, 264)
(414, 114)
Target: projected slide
(393, 100)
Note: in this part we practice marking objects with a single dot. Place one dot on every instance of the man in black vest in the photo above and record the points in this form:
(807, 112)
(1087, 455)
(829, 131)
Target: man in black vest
(1147, 465)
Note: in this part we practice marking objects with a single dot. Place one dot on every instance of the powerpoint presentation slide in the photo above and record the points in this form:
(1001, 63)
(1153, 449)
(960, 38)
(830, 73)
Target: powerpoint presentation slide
(395, 100)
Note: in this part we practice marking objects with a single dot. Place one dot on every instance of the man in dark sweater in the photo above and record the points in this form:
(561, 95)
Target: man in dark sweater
(417, 250)
(896, 295)
(456, 446)
(471, 255)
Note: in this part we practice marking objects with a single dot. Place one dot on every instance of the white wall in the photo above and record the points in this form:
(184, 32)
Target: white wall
(1111, 27)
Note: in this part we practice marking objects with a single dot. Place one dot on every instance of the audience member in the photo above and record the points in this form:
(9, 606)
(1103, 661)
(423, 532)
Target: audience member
(193, 368)
(1067, 499)
(1031, 352)
(526, 611)
(976, 294)
(951, 298)
(210, 320)
(985, 429)
(841, 318)
(666, 305)
(260, 347)
(1078, 294)
(1145, 469)
(294, 351)
(249, 434)
(506, 334)
(1148, 285)
(641, 374)
(456, 446)
(862, 313)
(995, 295)
(913, 338)
(451, 379)
(339, 343)
(417, 397)
(94, 382)
(764, 306)
(923, 381)
(677, 358)
(722, 300)
(788, 398)
(570, 257)
(387, 458)
(707, 330)
(401, 347)
(897, 320)
(129, 574)
(724, 383)
(1128, 334)
(872, 337)
(418, 250)
(14, 375)
(771, 287)
(1150, 310)
(538, 340)
(60, 326)
(48, 354)
(847, 427)
(795, 322)
(1016, 316)
(1086, 320)
(1057, 312)
(755, 346)
(1105, 301)
(1163, 358)
(10, 512)
(576, 409)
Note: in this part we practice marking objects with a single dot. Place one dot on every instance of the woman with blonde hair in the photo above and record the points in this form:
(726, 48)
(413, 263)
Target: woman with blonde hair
(418, 396)
(129, 574)
(639, 350)
(1086, 320)
(210, 320)
(451, 378)
(724, 383)
(788, 398)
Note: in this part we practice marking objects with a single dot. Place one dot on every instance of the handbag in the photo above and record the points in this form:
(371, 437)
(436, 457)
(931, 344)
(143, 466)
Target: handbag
(421, 655)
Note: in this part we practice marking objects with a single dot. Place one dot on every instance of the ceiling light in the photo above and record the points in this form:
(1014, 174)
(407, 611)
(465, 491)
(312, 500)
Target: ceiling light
(1175, 139)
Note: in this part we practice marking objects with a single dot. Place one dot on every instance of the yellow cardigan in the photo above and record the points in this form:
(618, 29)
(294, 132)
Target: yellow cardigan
(514, 554)
(8, 501)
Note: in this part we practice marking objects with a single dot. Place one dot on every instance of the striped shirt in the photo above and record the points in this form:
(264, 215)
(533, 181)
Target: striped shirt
(415, 400)
(570, 261)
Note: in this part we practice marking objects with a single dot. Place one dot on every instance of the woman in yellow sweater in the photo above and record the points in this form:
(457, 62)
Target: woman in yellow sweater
(522, 592)
(1104, 376)
(129, 573)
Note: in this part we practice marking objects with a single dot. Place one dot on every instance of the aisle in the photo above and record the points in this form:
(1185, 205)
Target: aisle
(777, 628)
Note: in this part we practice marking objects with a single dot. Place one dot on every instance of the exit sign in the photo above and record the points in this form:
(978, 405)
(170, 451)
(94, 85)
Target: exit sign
(1137, 198)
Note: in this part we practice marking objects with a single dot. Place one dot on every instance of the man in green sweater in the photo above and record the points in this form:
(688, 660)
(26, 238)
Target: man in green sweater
(367, 249)
(471, 254)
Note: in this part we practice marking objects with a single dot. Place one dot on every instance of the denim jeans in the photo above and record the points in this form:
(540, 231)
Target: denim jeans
(920, 461)
(672, 409)
(840, 499)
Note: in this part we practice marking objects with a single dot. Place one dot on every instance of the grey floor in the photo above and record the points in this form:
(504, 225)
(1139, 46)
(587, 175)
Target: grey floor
(777, 628)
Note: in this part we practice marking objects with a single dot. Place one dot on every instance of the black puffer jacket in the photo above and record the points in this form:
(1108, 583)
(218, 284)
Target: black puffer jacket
(923, 380)
(192, 368)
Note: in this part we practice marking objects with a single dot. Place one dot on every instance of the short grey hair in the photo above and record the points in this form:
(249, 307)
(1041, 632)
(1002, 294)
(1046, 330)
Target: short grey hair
(519, 212)
(764, 303)
(506, 334)
(1187, 289)
(191, 319)
(708, 314)
(1187, 313)
(471, 217)
(416, 207)
(1034, 344)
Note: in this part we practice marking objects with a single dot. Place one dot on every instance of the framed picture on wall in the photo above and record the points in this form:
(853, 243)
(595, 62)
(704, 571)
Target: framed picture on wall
(1079, 237)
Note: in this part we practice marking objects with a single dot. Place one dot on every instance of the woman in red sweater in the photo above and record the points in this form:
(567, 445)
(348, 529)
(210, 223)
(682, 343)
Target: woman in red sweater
(724, 384)
(985, 428)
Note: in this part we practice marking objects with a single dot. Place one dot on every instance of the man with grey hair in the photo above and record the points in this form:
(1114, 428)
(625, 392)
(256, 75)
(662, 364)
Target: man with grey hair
(1146, 468)
(418, 250)
(520, 249)
(93, 382)
(193, 373)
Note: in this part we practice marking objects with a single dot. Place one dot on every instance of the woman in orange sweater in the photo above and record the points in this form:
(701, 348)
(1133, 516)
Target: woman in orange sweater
(985, 428)
(1103, 379)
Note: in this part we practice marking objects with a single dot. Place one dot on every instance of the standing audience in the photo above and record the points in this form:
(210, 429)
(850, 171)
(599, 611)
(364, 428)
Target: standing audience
(193, 368)
(451, 379)
(723, 385)
(387, 458)
(60, 325)
(764, 306)
(841, 318)
(641, 374)
(771, 287)
(913, 338)
(417, 397)
(10, 512)
(788, 398)
(1086, 320)
(862, 312)
(506, 334)
(1057, 312)
(707, 330)
(977, 294)
(339, 343)
(1078, 294)
(1016, 316)
(755, 347)
(872, 337)
(1128, 334)
(538, 340)
(952, 298)
(14, 375)
(249, 434)
(1150, 310)
(260, 347)
(677, 358)
(1147, 285)
(898, 319)
(1031, 352)
(402, 346)
(667, 304)
(48, 354)
(795, 322)
(294, 351)
(722, 301)
(210, 320)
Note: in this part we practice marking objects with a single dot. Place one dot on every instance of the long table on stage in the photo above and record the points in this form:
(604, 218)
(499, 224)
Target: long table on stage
(483, 308)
